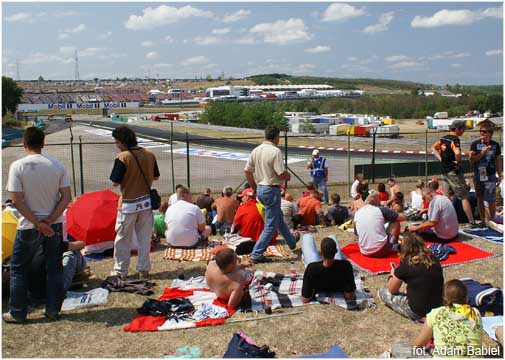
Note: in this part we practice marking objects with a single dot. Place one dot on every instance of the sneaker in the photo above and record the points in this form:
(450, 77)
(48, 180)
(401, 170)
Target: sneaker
(8, 318)
(261, 260)
(296, 235)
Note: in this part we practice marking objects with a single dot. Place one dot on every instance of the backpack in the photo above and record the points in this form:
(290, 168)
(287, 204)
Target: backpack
(242, 347)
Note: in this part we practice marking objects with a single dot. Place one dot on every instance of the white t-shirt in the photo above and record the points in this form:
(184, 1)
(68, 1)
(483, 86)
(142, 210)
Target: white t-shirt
(417, 200)
(369, 222)
(442, 211)
(172, 199)
(354, 187)
(182, 221)
(39, 178)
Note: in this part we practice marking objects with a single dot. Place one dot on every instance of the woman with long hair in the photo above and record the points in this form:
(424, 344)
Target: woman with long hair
(424, 278)
(455, 327)
(417, 196)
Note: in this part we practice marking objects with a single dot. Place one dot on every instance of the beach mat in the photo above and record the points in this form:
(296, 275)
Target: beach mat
(484, 234)
(465, 253)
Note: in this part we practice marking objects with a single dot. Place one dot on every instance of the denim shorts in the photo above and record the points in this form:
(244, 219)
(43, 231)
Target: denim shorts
(486, 189)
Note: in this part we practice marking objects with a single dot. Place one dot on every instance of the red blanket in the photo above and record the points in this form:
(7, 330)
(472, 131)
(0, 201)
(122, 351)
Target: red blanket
(157, 323)
(464, 253)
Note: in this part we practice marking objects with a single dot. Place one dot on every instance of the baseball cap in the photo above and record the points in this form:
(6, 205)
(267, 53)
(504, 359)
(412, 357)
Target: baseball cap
(456, 124)
(315, 152)
(247, 192)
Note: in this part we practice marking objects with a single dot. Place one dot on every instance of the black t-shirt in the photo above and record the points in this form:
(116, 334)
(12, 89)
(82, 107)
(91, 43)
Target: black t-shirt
(338, 213)
(425, 287)
(447, 153)
(205, 202)
(488, 161)
(338, 277)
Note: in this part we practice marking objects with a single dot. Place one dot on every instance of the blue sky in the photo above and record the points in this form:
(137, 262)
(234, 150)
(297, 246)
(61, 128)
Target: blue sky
(444, 42)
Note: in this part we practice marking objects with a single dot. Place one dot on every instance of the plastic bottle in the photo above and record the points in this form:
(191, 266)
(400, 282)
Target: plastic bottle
(180, 270)
(268, 299)
(292, 271)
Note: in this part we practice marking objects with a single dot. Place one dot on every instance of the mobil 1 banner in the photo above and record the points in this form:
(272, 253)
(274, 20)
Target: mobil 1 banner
(77, 106)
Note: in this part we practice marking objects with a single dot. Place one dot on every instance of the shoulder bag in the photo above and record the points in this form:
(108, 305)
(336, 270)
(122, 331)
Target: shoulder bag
(153, 193)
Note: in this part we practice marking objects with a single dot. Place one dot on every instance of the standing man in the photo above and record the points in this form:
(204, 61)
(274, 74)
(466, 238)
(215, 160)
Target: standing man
(448, 152)
(134, 170)
(40, 190)
(319, 173)
(485, 155)
(265, 171)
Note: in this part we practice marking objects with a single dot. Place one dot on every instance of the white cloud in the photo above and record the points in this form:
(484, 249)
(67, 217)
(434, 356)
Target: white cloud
(456, 65)
(282, 32)
(341, 12)
(455, 17)
(20, 17)
(162, 65)
(63, 36)
(352, 58)
(197, 60)
(210, 66)
(494, 52)
(91, 51)
(460, 55)
(152, 55)
(383, 24)
(304, 68)
(396, 58)
(106, 35)
(169, 39)
(222, 31)
(65, 13)
(79, 28)
(67, 50)
(148, 44)
(236, 16)
(163, 15)
(207, 40)
(406, 65)
(41, 58)
(246, 40)
(318, 49)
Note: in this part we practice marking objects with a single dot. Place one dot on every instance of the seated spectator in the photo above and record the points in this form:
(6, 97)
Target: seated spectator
(9, 206)
(435, 185)
(393, 187)
(185, 222)
(226, 207)
(337, 214)
(454, 327)
(249, 219)
(359, 178)
(424, 278)
(310, 188)
(226, 277)
(441, 217)
(359, 200)
(329, 274)
(383, 194)
(159, 222)
(173, 198)
(205, 201)
(288, 208)
(310, 210)
(417, 196)
(398, 204)
(374, 239)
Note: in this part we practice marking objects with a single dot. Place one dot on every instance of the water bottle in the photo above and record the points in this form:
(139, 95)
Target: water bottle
(292, 271)
(268, 299)
(180, 270)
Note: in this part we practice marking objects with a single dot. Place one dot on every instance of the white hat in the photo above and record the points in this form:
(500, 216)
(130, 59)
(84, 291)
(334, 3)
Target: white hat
(315, 152)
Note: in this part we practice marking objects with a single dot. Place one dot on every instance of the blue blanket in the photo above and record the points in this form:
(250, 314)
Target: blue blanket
(485, 234)
(335, 352)
(490, 323)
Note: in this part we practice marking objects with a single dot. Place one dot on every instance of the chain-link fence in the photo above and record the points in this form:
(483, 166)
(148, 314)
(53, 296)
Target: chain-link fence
(201, 163)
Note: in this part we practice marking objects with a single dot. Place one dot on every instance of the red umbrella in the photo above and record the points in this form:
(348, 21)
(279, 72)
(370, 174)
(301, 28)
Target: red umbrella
(92, 217)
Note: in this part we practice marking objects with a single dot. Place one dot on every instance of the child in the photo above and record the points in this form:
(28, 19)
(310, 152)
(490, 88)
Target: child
(398, 204)
(159, 225)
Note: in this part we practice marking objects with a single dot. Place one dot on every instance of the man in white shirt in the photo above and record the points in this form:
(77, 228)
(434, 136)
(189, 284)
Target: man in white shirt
(375, 240)
(442, 218)
(186, 226)
(359, 179)
(40, 191)
(173, 198)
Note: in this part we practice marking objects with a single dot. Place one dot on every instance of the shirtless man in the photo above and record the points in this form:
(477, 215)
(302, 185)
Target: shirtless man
(226, 277)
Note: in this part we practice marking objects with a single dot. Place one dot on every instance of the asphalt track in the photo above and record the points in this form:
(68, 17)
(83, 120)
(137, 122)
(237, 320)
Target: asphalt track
(158, 134)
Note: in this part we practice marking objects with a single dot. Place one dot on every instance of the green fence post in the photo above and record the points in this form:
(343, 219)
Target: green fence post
(81, 165)
(188, 171)
(373, 156)
(72, 158)
(286, 153)
(426, 157)
(172, 154)
(348, 162)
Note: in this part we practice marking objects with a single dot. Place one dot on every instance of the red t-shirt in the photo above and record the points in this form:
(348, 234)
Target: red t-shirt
(250, 221)
(383, 196)
(309, 207)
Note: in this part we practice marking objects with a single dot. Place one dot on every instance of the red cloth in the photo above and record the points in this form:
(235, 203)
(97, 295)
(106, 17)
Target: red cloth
(464, 253)
(383, 196)
(250, 221)
(309, 207)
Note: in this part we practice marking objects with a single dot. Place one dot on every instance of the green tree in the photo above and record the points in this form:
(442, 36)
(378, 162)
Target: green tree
(41, 78)
(11, 95)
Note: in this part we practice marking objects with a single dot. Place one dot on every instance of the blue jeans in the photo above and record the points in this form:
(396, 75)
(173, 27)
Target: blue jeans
(270, 197)
(320, 182)
(73, 263)
(311, 254)
(25, 246)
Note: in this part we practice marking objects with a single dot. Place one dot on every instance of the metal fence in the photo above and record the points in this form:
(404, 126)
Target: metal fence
(201, 163)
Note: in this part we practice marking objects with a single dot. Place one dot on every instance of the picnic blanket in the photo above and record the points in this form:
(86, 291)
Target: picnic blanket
(335, 352)
(484, 234)
(490, 323)
(465, 253)
(204, 252)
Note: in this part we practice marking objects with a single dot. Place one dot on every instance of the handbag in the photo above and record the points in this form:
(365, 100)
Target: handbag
(153, 193)
(239, 347)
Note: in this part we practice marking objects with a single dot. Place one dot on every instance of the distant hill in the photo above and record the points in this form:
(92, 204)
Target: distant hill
(371, 85)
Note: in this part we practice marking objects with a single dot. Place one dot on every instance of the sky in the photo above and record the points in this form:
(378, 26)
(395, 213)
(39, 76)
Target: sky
(440, 43)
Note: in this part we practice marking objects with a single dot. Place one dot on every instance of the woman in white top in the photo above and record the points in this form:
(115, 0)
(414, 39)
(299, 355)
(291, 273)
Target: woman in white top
(417, 196)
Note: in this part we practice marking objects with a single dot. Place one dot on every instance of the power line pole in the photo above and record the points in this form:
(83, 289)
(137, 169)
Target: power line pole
(76, 68)
(17, 70)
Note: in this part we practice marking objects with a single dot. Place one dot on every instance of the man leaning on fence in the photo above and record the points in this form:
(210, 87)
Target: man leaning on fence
(40, 190)
(265, 171)
(132, 168)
